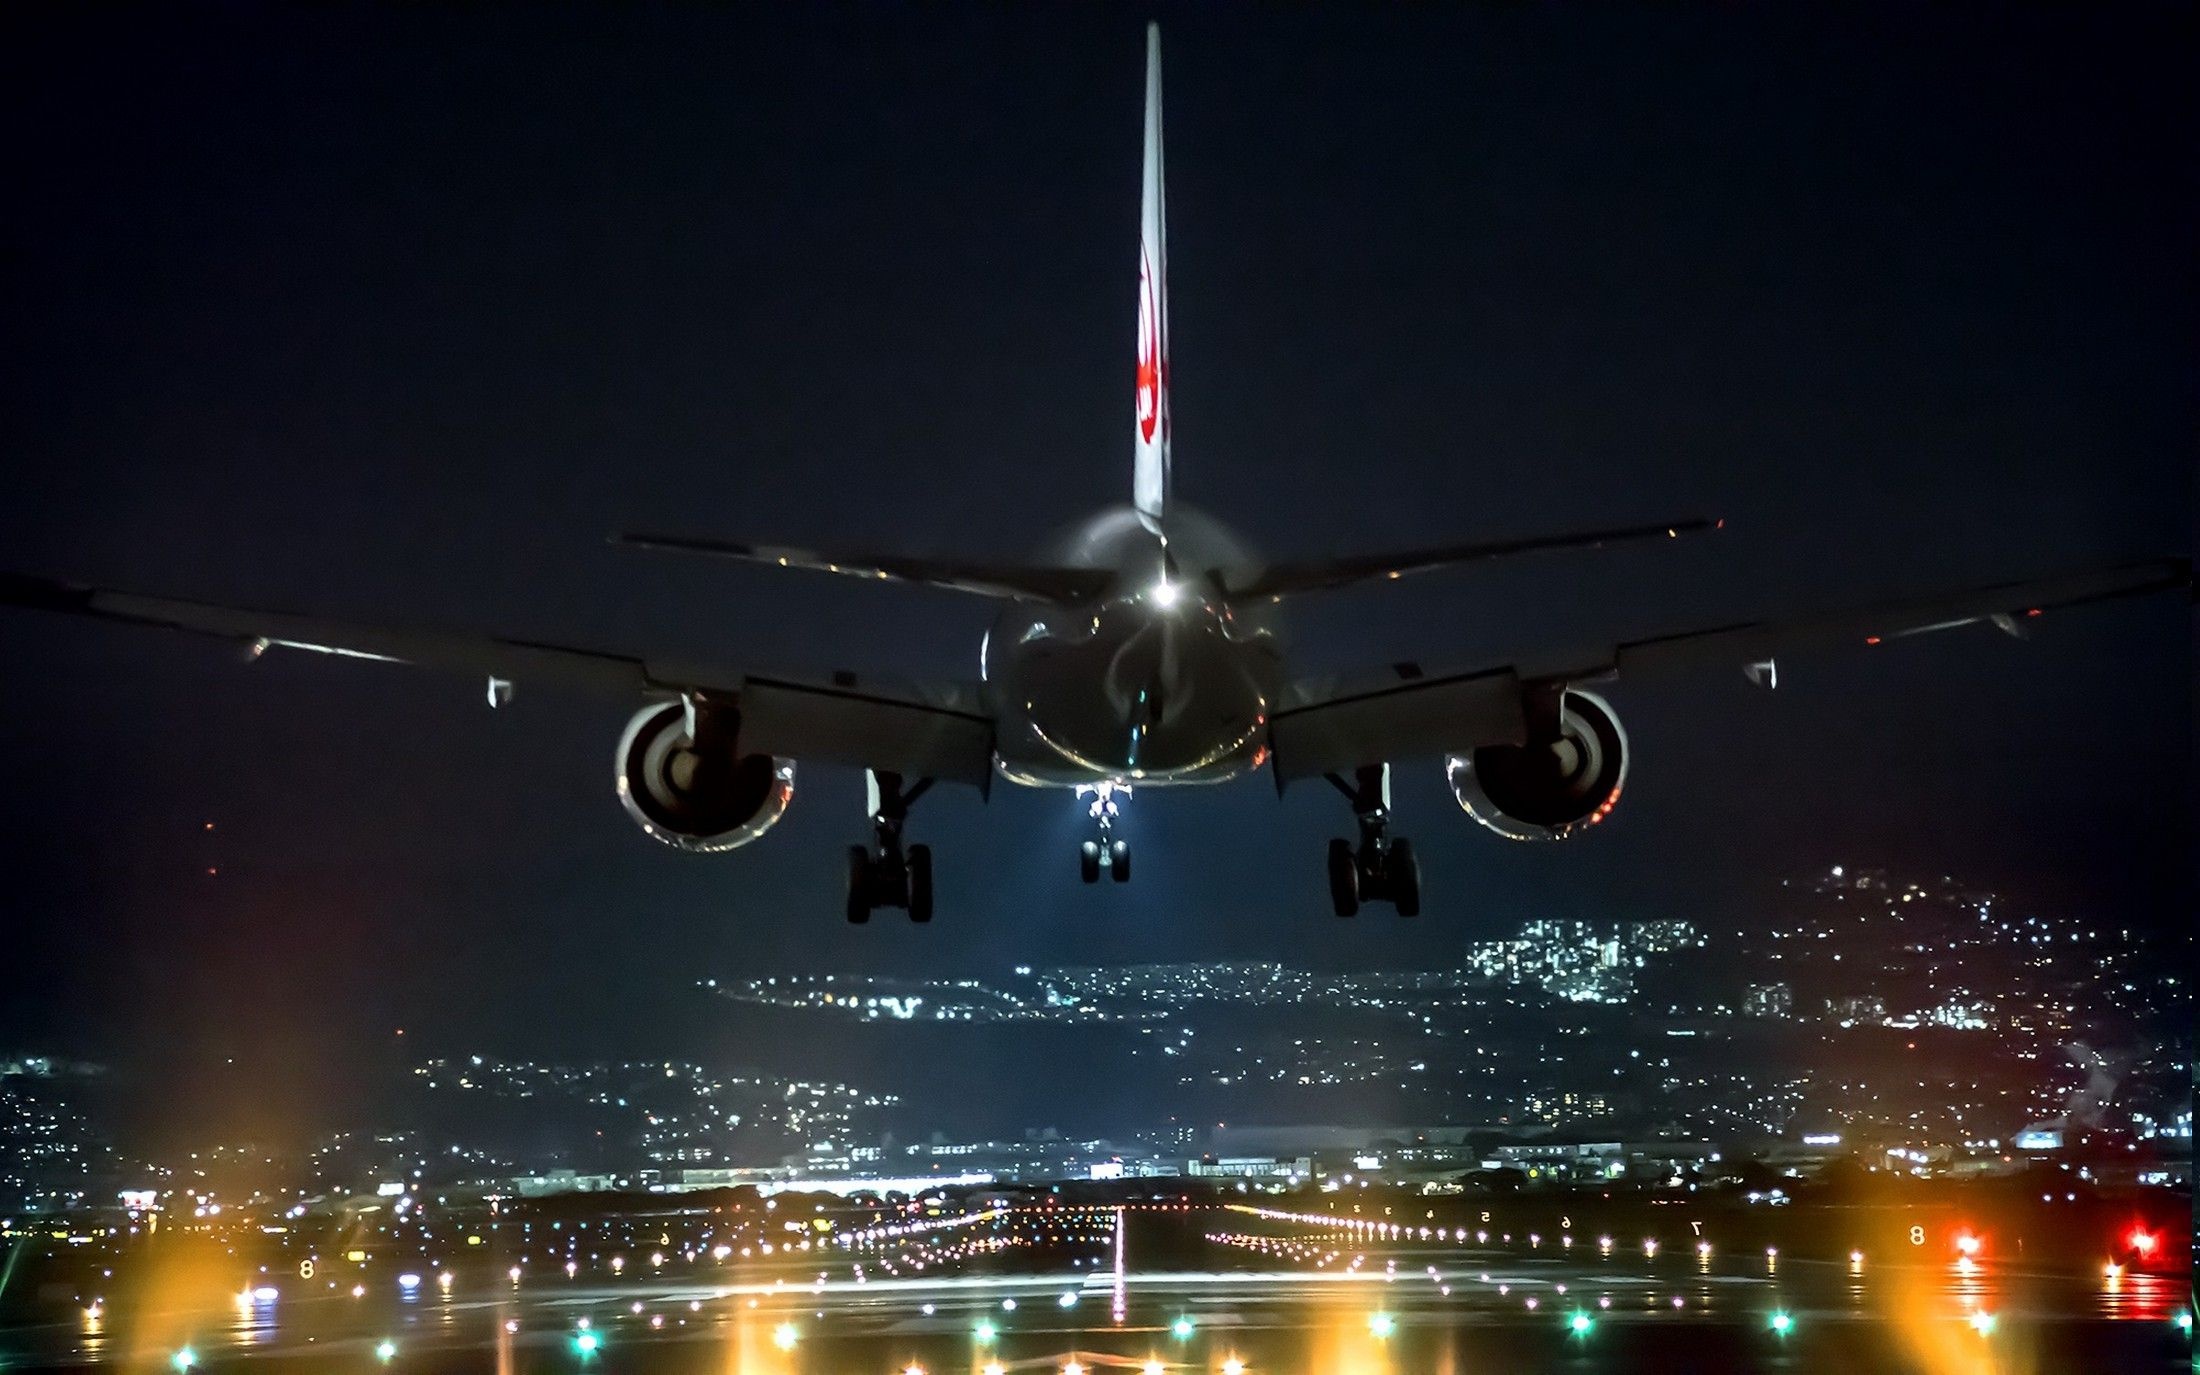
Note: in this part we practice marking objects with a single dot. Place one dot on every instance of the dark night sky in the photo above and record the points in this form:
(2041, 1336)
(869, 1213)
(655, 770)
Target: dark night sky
(398, 315)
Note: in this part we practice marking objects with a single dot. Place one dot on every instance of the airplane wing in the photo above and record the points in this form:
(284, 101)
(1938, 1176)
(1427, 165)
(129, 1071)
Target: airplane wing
(1330, 726)
(939, 731)
(961, 575)
(1280, 580)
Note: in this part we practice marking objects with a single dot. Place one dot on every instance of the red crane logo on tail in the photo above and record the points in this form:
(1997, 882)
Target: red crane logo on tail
(1151, 364)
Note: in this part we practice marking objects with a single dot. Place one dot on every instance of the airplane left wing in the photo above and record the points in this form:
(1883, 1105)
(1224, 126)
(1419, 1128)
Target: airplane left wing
(938, 731)
(1331, 726)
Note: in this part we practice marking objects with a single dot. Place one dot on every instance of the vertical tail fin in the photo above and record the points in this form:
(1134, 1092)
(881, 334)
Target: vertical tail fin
(1150, 479)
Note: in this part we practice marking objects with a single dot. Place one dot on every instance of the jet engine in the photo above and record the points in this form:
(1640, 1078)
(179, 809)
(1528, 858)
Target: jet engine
(685, 780)
(1547, 789)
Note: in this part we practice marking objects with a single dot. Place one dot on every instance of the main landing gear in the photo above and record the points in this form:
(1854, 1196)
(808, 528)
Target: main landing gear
(884, 874)
(1104, 851)
(1381, 868)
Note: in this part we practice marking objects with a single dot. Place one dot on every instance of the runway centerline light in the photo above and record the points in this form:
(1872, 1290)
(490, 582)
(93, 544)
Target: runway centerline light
(1381, 1324)
(1233, 1366)
(785, 1336)
(1181, 1329)
(184, 1359)
(1580, 1324)
(1982, 1322)
(385, 1351)
(586, 1343)
(1782, 1324)
(985, 1331)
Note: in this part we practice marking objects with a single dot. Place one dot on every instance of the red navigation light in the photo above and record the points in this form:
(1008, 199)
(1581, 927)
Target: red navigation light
(2144, 1241)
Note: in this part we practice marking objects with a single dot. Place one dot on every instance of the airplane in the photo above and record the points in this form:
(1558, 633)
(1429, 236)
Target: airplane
(1139, 650)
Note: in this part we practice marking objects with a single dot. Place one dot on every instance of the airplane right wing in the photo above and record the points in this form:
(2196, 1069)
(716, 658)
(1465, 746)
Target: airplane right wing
(939, 731)
(1330, 726)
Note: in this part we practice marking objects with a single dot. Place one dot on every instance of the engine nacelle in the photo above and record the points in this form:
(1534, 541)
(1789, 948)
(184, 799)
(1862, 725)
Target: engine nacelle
(699, 792)
(1547, 790)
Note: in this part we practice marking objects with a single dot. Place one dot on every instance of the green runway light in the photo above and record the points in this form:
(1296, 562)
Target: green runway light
(1182, 1328)
(1580, 1324)
(985, 1331)
(1382, 1324)
(586, 1343)
(385, 1350)
(2184, 1322)
(184, 1359)
(1782, 1323)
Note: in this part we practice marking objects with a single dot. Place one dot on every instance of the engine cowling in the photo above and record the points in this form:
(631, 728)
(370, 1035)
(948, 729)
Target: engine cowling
(699, 792)
(1552, 789)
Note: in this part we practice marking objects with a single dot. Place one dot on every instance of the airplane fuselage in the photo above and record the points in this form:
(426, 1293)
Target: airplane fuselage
(1157, 680)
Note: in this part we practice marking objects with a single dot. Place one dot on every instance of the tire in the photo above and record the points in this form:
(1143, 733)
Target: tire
(919, 864)
(1405, 879)
(1088, 861)
(859, 884)
(1344, 878)
(1119, 861)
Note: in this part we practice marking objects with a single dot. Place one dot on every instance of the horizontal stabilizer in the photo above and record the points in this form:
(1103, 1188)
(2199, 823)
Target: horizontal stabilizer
(1279, 580)
(985, 579)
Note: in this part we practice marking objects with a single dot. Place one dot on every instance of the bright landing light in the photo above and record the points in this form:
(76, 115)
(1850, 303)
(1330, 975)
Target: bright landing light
(1165, 593)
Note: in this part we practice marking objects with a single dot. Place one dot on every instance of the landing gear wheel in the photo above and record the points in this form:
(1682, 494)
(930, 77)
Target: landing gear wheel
(1404, 878)
(920, 883)
(1344, 878)
(1119, 861)
(859, 884)
(1088, 861)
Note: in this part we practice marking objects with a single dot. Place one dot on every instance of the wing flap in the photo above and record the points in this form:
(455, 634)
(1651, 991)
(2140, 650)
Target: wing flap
(1341, 730)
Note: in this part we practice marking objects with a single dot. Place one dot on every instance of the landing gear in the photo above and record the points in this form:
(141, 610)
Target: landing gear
(1104, 851)
(1113, 856)
(1379, 868)
(884, 874)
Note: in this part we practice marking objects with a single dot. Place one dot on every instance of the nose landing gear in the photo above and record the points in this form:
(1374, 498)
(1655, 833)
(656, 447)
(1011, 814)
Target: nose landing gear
(1382, 868)
(884, 874)
(1104, 851)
